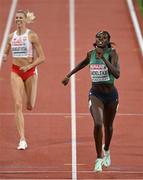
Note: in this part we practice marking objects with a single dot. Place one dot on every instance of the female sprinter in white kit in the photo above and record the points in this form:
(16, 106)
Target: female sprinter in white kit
(27, 53)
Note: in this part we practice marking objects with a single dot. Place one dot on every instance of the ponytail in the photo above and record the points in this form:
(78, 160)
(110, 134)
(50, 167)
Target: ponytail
(30, 17)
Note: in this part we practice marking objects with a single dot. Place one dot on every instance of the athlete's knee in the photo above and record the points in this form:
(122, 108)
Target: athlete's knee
(18, 106)
(109, 128)
(98, 125)
(97, 132)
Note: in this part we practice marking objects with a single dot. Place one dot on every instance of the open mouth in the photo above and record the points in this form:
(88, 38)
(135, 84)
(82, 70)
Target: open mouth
(100, 42)
(18, 22)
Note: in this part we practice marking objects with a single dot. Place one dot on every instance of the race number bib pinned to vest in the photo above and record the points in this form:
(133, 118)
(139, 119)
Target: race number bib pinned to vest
(99, 72)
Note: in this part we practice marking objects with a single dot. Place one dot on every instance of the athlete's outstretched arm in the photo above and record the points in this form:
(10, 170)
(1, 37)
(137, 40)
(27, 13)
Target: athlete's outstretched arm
(80, 66)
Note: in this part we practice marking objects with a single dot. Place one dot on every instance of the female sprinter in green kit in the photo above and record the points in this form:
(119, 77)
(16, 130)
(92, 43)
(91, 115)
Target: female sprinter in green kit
(103, 96)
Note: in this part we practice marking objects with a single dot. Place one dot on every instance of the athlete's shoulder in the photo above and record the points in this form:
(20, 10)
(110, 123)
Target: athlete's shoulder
(33, 36)
(113, 51)
(32, 33)
(90, 51)
(10, 36)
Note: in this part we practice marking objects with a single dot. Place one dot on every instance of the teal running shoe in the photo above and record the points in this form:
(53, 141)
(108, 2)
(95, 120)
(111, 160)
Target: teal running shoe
(98, 165)
(106, 157)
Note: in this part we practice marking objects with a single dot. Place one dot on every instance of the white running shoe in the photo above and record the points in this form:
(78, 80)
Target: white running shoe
(98, 165)
(22, 145)
(106, 158)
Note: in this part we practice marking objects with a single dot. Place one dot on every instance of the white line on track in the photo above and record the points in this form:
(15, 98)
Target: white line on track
(67, 114)
(7, 29)
(135, 24)
(73, 94)
(50, 171)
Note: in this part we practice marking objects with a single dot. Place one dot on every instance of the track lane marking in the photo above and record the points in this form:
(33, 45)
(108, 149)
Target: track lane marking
(67, 115)
(7, 29)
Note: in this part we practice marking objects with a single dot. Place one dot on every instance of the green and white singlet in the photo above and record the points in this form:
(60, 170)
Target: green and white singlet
(99, 70)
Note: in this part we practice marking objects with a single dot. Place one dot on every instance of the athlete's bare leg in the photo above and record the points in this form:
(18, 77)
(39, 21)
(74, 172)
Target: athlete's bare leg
(96, 110)
(18, 92)
(109, 115)
(31, 91)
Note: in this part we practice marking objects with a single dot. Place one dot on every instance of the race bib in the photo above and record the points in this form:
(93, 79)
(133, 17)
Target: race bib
(99, 72)
(19, 51)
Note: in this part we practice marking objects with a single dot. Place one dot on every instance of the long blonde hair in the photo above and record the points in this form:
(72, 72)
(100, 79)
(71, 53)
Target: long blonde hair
(30, 17)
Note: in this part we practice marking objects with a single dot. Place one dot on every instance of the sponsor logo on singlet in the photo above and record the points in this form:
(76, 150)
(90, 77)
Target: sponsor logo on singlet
(99, 72)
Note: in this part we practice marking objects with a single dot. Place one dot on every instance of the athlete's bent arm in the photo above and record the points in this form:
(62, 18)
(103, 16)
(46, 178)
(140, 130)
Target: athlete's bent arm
(113, 67)
(39, 52)
(80, 66)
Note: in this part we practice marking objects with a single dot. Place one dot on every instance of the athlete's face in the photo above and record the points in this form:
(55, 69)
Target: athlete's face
(102, 40)
(20, 19)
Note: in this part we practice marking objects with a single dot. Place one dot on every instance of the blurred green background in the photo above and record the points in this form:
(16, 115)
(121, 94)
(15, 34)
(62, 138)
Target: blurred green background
(140, 3)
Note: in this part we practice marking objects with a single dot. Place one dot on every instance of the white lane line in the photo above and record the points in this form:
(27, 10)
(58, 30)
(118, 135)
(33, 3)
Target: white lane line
(7, 29)
(67, 114)
(62, 171)
(135, 24)
(73, 94)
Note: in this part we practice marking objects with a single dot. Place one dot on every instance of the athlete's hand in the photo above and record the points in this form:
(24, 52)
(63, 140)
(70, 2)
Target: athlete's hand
(65, 81)
(99, 53)
(25, 68)
(4, 58)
